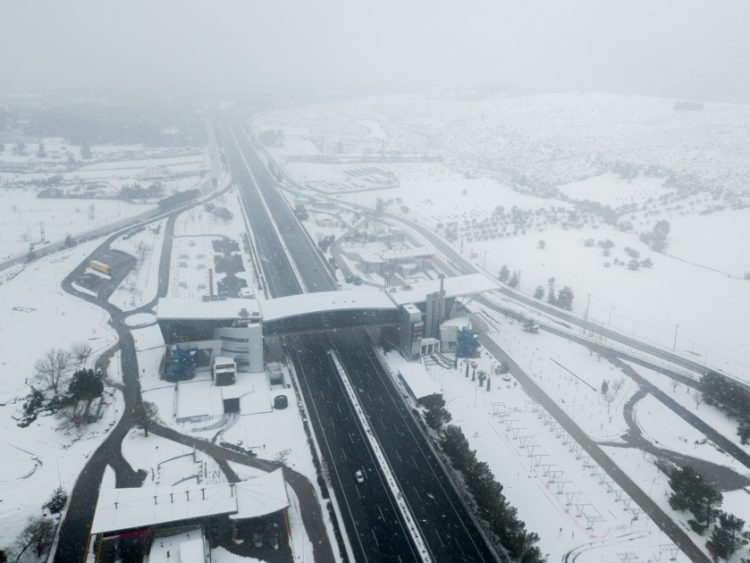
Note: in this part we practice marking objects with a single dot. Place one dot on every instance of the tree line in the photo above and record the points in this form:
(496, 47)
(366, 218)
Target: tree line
(562, 298)
(62, 384)
(38, 534)
(690, 492)
(508, 531)
(731, 397)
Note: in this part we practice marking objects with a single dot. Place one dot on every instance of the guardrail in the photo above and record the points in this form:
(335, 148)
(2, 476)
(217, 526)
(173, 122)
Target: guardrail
(390, 478)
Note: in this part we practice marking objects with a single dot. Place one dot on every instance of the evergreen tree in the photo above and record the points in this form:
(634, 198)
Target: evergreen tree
(144, 415)
(437, 415)
(504, 273)
(86, 385)
(491, 503)
(514, 280)
(539, 292)
(57, 501)
(565, 298)
(691, 492)
(657, 238)
(727, 537)
(551, 297)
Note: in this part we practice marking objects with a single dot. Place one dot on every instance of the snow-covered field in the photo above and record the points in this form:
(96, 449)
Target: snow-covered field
(501, 174)
(23, 216)
(80, 195)
(549, 138)
(37, 316)
(558, 493)
(168, 463)
(709, 307)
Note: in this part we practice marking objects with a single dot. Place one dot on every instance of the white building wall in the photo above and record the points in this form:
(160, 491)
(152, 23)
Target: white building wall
(244, 344)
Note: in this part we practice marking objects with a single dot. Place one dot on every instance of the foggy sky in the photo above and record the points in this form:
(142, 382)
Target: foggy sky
(680, 48)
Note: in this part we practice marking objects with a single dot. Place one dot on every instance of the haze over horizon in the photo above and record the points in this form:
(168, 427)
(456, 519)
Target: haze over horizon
(675, 48)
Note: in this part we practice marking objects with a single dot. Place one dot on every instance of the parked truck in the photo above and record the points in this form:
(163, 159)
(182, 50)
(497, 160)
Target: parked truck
(100, 267)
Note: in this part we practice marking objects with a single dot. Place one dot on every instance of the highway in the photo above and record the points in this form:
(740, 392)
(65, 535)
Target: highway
(379, 533)
(446, 523)
(373, 524)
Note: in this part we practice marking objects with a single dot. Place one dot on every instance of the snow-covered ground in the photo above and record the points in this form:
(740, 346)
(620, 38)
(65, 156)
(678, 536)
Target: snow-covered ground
(500, 174)
(168, 463)
(60, 194)
(23, 216)
(557, 492)
(713, 241)
(692, 400)
(38, 316)
(649, 303)
(552, 138)
(142, 282)
(665, 429)
(614, 191)
(572, 376)
(192, 250)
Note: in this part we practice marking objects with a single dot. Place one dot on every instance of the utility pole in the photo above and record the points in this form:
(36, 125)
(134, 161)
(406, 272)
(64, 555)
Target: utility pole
(674, 346)
(586, 314)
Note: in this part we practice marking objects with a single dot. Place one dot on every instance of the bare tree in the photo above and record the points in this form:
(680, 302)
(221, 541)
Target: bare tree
(50, 368)
(141, 251)
(81, 352)
(144, 415)
(38, 534)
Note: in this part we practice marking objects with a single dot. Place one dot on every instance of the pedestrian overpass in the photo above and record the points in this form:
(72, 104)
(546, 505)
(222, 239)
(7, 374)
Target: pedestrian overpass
(312, 312)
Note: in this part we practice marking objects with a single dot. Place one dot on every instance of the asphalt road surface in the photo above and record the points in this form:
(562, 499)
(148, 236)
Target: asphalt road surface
(445, 521)
(696, 422)
(374, 524)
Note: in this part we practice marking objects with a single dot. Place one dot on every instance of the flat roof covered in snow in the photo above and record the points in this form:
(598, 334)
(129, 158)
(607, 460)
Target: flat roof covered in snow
(170, 308)
(137, 507)
(454, 287)
(260, 496)
(180, 308)
(324, 301)
(417, 379)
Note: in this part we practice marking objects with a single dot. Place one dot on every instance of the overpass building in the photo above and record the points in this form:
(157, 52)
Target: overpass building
(237, 327)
